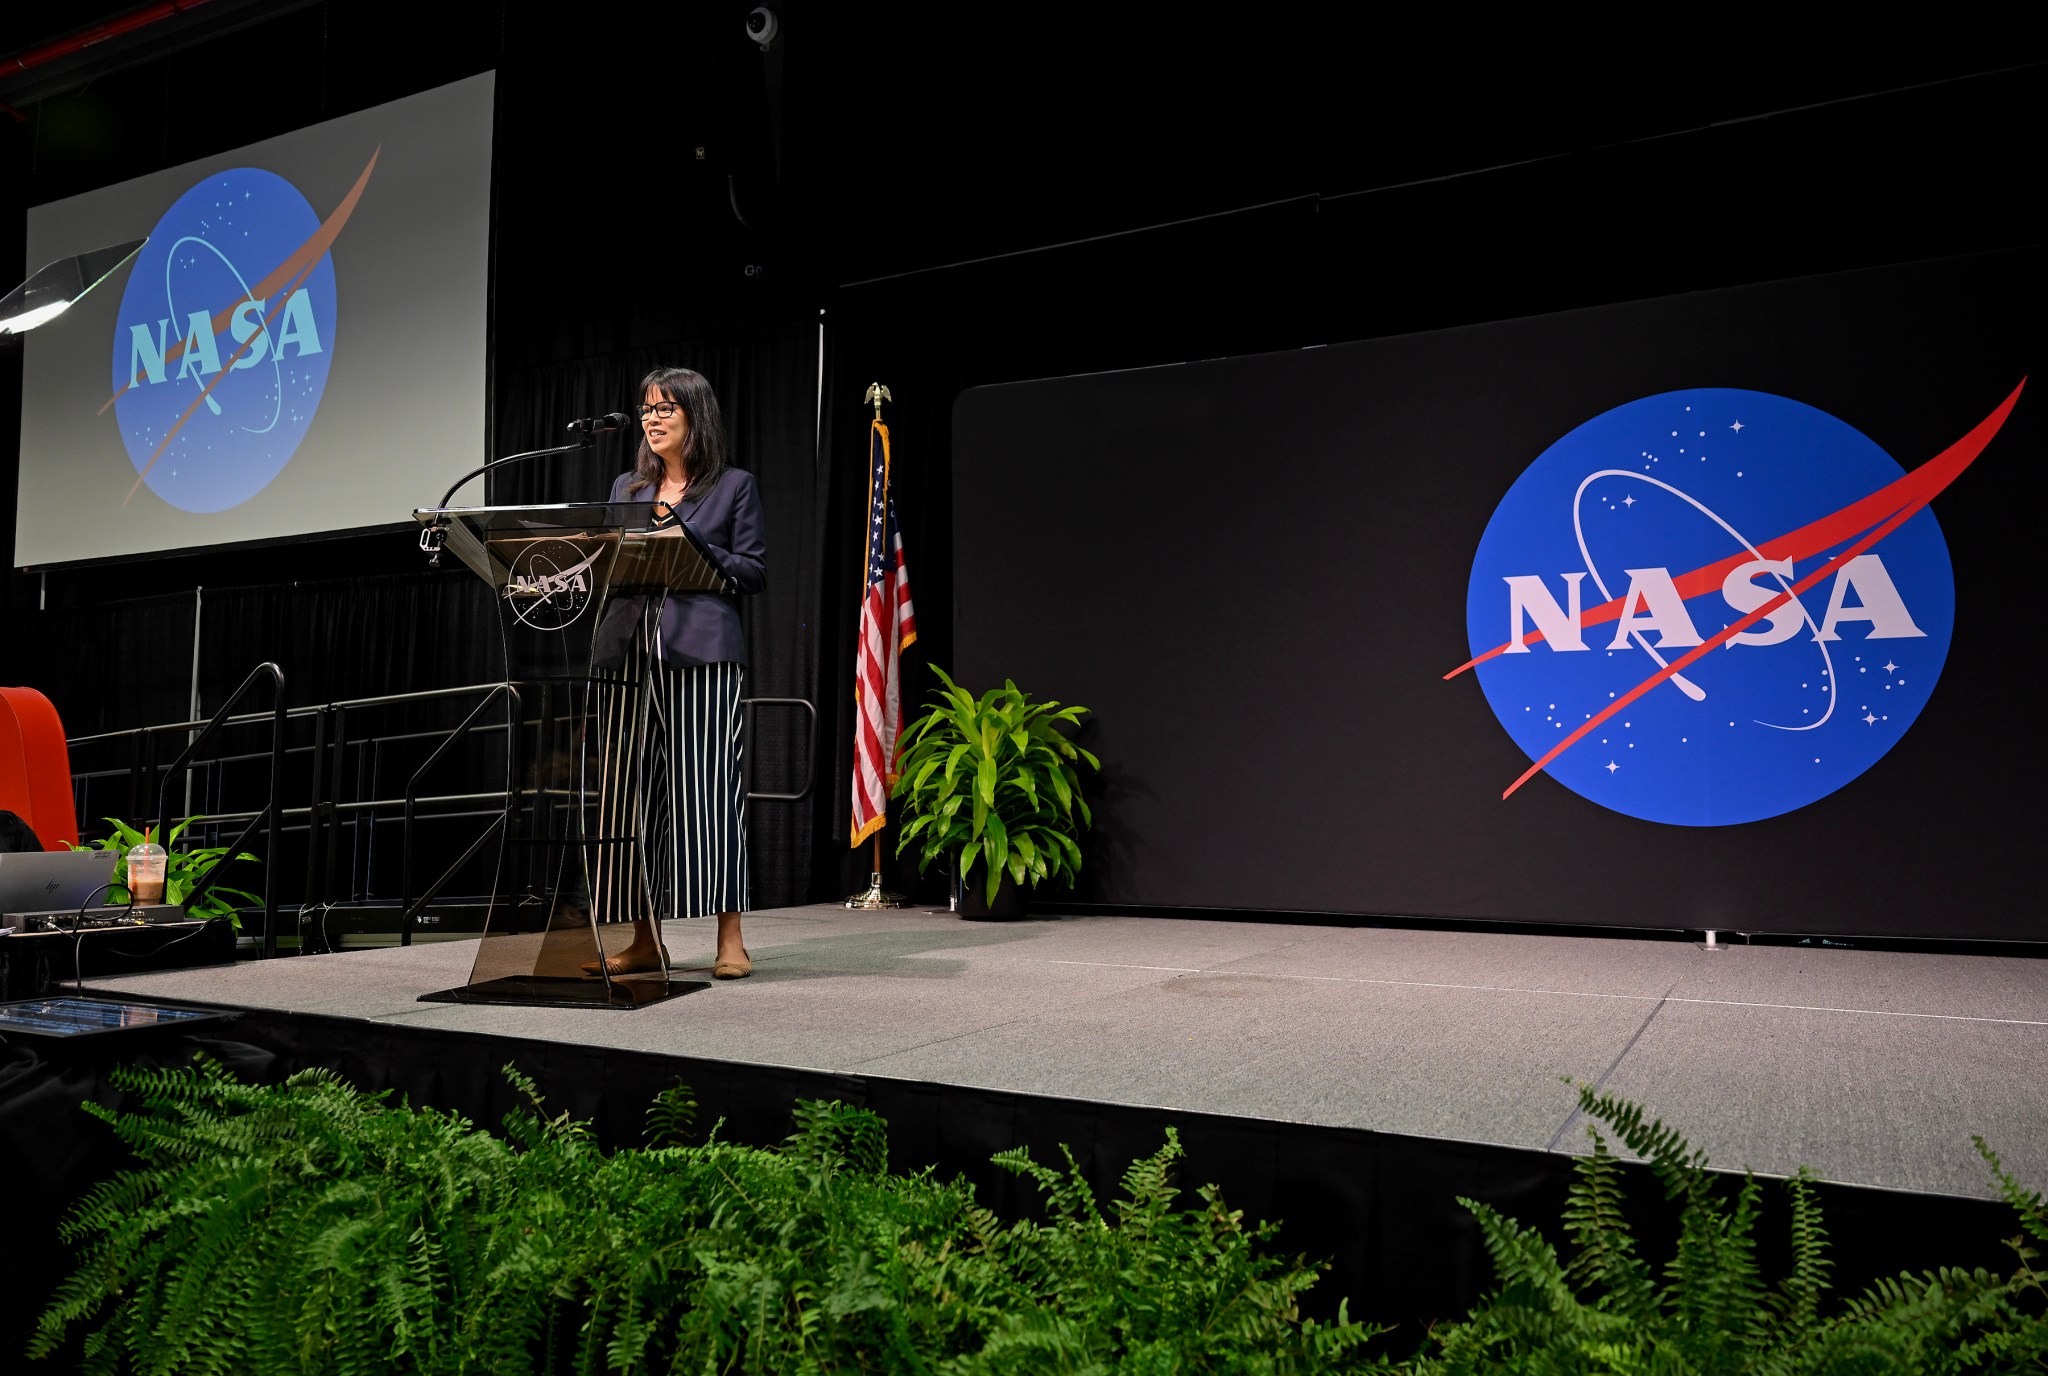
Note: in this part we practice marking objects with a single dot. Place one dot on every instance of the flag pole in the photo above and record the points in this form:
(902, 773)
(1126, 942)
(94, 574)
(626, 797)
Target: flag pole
(876, 897)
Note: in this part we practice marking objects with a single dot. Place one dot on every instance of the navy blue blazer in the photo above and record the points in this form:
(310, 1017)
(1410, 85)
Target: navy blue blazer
(698, 627)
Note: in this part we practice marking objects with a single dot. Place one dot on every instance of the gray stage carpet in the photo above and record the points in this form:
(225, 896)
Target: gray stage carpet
(1870, 1067)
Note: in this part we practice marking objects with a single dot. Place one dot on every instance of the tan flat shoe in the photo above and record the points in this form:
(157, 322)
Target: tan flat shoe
(621, 964)
(734, 969)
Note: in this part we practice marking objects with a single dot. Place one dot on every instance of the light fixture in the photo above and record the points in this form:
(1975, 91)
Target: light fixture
(54, 287)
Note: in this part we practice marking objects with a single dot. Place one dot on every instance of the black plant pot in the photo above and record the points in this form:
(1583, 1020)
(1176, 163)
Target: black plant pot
(973, 897)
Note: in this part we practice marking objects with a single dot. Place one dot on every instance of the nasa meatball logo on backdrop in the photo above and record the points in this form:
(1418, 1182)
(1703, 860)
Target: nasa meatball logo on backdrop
(1714, 606)
(224, 340)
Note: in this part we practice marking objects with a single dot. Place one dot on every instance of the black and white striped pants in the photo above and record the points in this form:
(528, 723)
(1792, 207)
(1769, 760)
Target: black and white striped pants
(670, 773)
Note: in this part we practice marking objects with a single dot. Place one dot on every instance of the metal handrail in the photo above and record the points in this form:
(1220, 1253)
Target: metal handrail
(323, 810)
(409, 909)
(810, 748)
(269, 809)
(386, 700)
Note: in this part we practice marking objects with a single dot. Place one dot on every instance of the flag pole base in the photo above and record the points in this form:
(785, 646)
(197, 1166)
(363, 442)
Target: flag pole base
(875, 896)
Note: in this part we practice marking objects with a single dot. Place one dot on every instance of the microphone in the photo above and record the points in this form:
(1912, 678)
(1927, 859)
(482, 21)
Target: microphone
(591, 425)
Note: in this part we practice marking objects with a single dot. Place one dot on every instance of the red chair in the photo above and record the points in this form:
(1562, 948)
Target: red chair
(35, 767)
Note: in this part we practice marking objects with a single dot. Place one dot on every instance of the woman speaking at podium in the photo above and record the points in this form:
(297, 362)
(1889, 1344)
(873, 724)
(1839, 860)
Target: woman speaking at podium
(670, 771)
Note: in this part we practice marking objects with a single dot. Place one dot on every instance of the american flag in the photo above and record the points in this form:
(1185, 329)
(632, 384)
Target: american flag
(888, 626)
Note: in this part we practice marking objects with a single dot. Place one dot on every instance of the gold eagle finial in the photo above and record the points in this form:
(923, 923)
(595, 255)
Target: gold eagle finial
(877, 394)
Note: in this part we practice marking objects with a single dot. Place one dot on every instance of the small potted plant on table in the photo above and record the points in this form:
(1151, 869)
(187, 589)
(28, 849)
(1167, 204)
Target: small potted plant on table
(990, 782)
(182, 870)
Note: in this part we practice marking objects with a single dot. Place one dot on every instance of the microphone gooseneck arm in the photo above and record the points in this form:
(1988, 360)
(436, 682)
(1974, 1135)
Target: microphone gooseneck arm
(584, 443)
(435, 535)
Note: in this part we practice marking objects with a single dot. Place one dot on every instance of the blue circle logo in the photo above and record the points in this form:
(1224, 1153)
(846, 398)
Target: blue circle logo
(223, 341)
(1685, 610)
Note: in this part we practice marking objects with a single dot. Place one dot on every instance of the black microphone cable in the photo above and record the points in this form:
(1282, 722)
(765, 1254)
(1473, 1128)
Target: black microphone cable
(198, 926)
(78, 935)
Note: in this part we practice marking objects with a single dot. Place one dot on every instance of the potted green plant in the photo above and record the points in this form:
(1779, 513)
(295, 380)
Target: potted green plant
(990, 781)
(182, 870)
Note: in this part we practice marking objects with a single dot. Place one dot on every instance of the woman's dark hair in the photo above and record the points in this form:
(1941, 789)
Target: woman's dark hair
(703, 448)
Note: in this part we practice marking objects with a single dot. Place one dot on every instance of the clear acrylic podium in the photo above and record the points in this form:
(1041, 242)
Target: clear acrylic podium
(556, 571)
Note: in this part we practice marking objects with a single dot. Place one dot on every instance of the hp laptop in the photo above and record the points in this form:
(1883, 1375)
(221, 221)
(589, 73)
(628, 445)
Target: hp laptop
(52, 881)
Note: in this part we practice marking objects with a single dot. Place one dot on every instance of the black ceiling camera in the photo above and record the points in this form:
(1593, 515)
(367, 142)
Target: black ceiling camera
(762, 26)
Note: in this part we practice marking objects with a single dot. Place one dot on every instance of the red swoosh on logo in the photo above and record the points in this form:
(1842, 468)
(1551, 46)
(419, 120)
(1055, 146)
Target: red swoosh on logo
(1873, 517)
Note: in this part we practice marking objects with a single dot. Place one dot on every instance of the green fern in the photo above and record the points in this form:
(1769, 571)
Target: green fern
(1157, 1286)
(1709, 1309)
(309, 1227)
(672, 1117)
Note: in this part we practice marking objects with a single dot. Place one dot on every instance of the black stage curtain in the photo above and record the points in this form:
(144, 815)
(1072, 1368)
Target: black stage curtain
(115, 665)
(930, 336)
(108, 666)
(766, 378)
(920, 432)
(350, 638)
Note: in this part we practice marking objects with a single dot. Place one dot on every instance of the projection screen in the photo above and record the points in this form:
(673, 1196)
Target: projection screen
(299, 348)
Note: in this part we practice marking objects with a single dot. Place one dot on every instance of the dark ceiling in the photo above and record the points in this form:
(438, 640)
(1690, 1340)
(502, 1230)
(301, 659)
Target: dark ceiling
(883, 137)
(113, 36)
(1139, 111)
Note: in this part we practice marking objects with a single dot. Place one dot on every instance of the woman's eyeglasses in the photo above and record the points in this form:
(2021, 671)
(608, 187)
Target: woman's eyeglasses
(660, 410)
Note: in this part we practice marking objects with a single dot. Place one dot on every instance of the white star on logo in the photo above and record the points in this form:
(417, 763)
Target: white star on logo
(1737, 427)
(1870, 717)
(1628, 501)
(1890, 667)
(1611, 767)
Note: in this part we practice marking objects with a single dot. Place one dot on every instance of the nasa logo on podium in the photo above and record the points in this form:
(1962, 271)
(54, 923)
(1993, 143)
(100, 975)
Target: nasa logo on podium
(549, 585)
(1713, 606)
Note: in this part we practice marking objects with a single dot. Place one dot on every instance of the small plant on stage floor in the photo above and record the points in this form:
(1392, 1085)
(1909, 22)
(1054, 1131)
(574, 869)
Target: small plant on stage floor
(990, 780)
(1709, 1308)
(182, 870)
(309, 1227)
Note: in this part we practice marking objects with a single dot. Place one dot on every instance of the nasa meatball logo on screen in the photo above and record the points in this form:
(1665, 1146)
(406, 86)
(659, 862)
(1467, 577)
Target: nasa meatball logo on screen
(224, 339)
(1715, 606)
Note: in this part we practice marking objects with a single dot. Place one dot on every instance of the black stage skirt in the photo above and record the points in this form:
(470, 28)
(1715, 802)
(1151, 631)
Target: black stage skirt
(671, 774)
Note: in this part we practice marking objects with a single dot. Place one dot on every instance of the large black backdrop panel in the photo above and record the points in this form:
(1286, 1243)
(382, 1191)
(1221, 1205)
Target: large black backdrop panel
(1259, 571)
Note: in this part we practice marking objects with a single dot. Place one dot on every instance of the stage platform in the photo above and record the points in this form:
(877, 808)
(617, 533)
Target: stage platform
(1870, 1067)
(1350, 1082)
